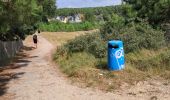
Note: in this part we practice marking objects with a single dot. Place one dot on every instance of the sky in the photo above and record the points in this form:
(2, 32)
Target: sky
(86, 3)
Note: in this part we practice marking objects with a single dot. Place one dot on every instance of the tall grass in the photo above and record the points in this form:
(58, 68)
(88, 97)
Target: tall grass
(154, 62)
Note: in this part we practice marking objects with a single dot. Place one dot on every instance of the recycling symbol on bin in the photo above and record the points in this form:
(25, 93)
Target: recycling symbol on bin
(119, 53)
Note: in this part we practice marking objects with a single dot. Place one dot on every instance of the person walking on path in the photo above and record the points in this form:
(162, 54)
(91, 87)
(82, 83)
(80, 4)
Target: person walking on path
(39, 31)
(35, 40)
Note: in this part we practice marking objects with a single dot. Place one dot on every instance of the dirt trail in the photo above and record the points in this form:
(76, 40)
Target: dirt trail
(38, 79)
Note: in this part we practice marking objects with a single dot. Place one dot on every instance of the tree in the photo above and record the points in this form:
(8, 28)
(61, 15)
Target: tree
(112, 27)
(156, 11)
(49, 7)
(18, 17)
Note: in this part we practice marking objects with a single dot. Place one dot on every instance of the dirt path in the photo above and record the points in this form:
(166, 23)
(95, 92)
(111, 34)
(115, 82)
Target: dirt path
(37, 79)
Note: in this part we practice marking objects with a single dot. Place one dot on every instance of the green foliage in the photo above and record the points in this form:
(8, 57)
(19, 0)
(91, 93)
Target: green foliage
(49, 7)
(128, 13)
(112, 27)
(156, 11)
(19, 17)
(79, 44)
(15, 16)
(166, 28)
(94, 11)
(91, 44)
(98, 48)
(134, 36)
(90, 14)
(67, 27)
(142, 36)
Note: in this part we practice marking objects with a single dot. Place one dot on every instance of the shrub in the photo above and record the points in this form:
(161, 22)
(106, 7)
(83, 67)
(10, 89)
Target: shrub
(97, 48)
(77, 45)
(81, 43)
(90, 43)
(112, 27)
(166, 28)
(142, 36)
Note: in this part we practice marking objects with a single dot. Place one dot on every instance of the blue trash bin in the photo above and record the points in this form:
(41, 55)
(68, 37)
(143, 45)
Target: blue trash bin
(115, 55)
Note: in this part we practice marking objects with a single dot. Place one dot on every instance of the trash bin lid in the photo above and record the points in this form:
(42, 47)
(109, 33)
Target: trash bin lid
(115, 42)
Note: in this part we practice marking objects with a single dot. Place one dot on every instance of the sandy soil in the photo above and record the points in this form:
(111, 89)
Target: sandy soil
(38, 79)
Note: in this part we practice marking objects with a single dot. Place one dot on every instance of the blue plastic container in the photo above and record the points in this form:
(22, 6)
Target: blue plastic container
(116, 59)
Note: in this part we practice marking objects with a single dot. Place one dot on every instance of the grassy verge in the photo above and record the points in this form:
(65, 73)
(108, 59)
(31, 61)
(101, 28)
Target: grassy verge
(85, 68)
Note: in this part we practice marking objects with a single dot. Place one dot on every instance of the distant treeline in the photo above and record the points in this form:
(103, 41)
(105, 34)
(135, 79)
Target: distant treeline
(89, 13)
(94, 10)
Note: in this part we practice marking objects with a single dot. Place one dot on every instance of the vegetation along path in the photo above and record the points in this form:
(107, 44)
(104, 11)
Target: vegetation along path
(38, 79)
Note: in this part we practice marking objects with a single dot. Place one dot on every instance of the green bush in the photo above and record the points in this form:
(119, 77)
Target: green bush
(90, 43)
(166, 28)
(134, 35)
(142, 36)
(77, 45)
(81, 43)
(112, 27)
(98, 48)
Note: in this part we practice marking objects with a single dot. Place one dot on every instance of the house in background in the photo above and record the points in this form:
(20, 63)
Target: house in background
(61, 19)
(77, 18)
(70, 19)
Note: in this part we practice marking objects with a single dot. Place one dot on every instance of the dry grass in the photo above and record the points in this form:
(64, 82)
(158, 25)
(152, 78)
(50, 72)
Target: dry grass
(58, 38)
(84, 68)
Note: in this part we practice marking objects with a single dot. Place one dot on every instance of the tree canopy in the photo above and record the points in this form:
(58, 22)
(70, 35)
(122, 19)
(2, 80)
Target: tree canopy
(19, 17)
(156, 11)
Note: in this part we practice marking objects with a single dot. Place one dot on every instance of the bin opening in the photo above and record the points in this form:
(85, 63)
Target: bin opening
(113, 46)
